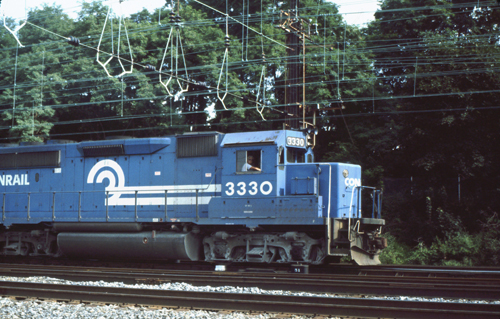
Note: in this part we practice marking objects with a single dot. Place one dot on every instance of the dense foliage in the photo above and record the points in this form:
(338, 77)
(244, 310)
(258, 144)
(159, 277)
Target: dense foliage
(413, 97)
(440, 63)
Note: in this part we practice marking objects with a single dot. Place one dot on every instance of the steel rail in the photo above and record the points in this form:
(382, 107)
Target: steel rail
(252, 302)
(425, 270)
(485, 274)
(335, 284)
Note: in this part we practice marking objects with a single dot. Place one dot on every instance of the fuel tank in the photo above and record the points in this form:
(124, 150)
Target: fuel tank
(153, 245)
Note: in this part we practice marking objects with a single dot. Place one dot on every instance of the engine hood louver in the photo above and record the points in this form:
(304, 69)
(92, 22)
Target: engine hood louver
(137, 146)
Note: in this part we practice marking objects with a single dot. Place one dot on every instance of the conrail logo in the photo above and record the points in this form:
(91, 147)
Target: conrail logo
(13, 180)
(119, 194)
(352, 182)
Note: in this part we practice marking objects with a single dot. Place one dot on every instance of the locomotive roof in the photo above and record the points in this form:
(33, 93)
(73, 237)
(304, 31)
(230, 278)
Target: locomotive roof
(259, 137)
(267, 137)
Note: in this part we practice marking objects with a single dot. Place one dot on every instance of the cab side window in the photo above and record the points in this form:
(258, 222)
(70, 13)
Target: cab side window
(248, 161)
(295, 155)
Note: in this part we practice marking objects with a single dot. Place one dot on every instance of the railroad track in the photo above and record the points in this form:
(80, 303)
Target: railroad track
(332, 269)
(442, 287)
(358, 307)
(424, 271)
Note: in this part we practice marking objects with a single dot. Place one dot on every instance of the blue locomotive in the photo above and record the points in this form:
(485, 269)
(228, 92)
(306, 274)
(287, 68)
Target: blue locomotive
(238, 197)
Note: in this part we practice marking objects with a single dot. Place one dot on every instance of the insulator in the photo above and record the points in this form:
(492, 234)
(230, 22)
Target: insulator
(178, 19)
(73, 41)
(172, 17)
(149, 67)
(226, 41)
(263, 58)
(315, 31)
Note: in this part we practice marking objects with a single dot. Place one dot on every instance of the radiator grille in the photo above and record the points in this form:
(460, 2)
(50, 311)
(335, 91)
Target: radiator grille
(197, 146)
(103, 150)
(33, 159)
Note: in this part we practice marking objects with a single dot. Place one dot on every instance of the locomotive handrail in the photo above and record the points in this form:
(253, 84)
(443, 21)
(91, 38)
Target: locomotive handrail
(107, 193)
(349, 215)
(114, 190)
(360, 188)
(358, 206)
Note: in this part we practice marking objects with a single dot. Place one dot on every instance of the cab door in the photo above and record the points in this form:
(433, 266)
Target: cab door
(249, 187)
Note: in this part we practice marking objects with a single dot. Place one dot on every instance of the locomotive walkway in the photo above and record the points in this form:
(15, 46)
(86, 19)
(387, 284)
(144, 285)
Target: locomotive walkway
(469, 287)
(251, 302)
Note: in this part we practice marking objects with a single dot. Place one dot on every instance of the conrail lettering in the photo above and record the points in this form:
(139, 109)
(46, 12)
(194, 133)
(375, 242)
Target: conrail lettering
(13, 180)
(351, 182)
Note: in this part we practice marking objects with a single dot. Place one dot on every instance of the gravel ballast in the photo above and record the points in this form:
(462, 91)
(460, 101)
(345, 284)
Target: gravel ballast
(10, 308)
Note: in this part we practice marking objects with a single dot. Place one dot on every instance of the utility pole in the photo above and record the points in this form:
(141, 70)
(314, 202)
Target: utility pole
(298, 30)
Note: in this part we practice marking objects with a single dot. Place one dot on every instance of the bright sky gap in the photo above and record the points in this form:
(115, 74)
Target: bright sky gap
(356, 12)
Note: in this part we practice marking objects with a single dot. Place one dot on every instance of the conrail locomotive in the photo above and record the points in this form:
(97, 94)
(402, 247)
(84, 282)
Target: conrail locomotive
(255, 197)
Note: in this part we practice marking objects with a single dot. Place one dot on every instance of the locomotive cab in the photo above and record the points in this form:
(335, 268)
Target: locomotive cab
(286, 190)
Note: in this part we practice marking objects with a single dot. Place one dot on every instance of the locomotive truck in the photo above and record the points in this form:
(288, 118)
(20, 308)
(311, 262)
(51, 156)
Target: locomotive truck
(189, 197)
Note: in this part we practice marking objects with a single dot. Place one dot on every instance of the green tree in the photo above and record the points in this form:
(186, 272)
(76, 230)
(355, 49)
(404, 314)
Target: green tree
(438, 61)
(32, 80)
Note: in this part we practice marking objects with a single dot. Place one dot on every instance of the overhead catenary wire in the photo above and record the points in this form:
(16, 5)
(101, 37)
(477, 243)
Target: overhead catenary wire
(104, 65)
(16, 30)
(427, 74)
(347, 100)
(15, 85)
(262, 81)
(430, 62)
(383, 114)
(224, 64)
(243, 31)
(174, 57)
(141, 65)
(229, 17)
(426, 95)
